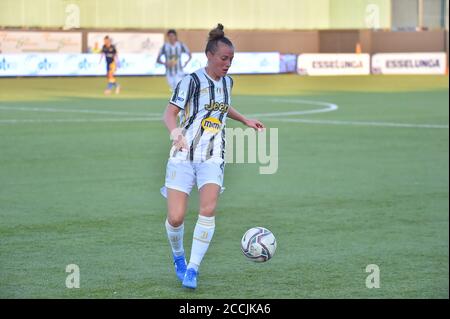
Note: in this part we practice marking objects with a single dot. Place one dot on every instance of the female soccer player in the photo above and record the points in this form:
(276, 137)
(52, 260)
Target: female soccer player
(172, 51)
(203, 101)
(110, 53)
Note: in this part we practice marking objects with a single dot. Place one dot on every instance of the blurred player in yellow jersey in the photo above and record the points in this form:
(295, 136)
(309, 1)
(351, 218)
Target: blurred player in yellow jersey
(110, 53)
(172, 51)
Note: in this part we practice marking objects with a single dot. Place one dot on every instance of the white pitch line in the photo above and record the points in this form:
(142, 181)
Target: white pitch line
(149, 119)
(361, 123)
(55, 110)
(329, 107)
(138, 119)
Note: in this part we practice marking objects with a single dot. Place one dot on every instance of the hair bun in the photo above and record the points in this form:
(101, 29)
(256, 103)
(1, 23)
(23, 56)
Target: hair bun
(216, 33)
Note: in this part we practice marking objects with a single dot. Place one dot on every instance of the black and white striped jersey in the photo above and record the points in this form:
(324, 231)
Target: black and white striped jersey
(204, 106)
(173, 54)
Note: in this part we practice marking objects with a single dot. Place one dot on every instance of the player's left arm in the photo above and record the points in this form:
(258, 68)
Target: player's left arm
(116, 59)
(186, 50)
(235, 115)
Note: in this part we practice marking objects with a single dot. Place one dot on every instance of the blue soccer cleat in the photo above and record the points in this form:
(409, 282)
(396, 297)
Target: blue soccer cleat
(190, 279)
(179, 263)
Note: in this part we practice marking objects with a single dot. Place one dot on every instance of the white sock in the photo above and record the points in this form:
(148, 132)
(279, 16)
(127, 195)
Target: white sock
(175, 235)
(203, 233)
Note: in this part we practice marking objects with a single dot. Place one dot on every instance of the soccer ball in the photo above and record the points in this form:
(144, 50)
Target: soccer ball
(258, 244)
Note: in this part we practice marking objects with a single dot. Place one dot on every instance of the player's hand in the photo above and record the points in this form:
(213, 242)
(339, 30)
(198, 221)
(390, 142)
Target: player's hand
(178, 139)
(257, 125)
(171, 63)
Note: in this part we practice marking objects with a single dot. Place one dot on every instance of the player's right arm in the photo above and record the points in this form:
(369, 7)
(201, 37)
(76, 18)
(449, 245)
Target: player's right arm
(178, 101)
(176, 133)
(160, 54)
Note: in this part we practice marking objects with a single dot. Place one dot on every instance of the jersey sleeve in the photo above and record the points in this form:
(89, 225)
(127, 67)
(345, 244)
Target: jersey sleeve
(183, 92)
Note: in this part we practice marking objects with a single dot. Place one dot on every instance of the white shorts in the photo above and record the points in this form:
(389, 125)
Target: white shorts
(182, 175)
(174, 79)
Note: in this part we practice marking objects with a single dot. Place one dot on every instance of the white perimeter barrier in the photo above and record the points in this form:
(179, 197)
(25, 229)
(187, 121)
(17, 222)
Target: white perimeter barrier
(409, 63)
(41, 64)
(333, 64)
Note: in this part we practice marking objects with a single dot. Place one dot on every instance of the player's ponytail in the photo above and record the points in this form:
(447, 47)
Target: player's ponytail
(216, 35)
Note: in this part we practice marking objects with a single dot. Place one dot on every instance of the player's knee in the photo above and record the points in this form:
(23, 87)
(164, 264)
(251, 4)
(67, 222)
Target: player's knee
(207, 210)
(175, 221)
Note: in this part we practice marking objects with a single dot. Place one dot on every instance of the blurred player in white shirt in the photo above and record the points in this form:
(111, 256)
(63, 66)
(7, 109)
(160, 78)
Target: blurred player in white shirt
(172, 51)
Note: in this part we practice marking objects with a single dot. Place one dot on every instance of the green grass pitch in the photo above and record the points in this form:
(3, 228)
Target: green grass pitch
(80, 174)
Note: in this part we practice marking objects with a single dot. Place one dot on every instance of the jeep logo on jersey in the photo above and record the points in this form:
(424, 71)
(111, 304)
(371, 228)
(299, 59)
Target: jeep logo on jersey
(211, 125)
(216, 106)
